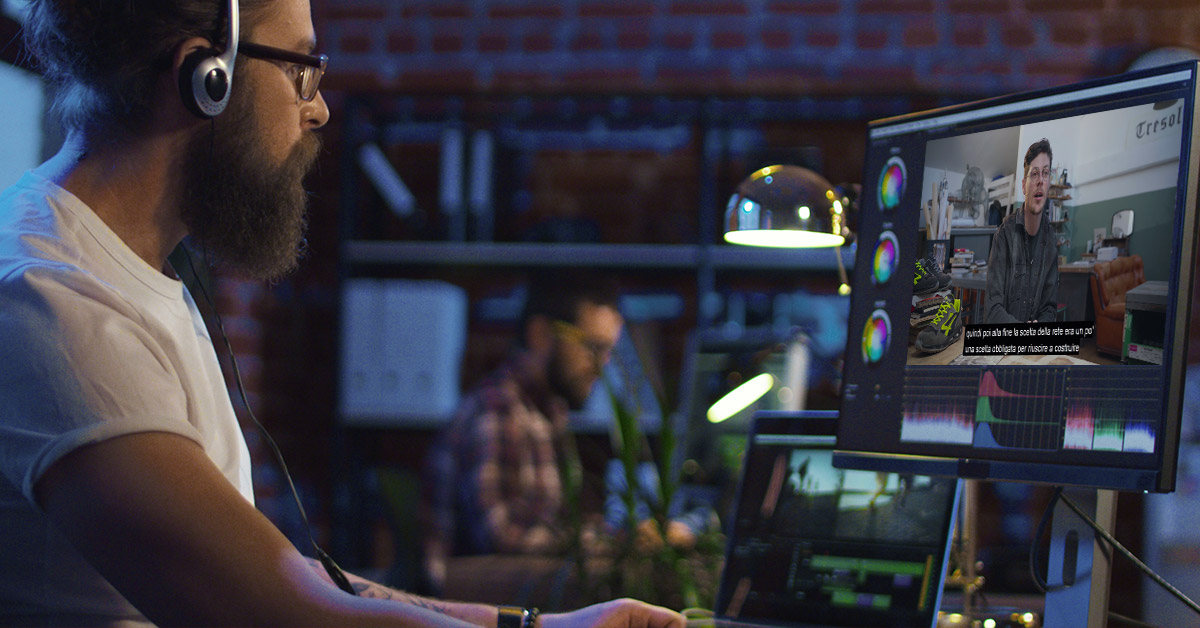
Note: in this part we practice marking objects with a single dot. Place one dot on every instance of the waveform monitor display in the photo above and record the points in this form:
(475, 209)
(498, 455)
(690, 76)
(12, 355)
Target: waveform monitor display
(1107, 415)
(942, 409)
(1037, 409)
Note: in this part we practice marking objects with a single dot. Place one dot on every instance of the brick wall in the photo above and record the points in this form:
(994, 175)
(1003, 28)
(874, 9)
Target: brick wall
(742, 46)
(913, 54)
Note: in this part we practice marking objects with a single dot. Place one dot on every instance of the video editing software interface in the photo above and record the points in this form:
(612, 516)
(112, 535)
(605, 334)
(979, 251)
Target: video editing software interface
(937, 374)
(827, 546)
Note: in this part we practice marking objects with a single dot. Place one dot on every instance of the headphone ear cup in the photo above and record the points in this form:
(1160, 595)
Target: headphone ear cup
(204, 84)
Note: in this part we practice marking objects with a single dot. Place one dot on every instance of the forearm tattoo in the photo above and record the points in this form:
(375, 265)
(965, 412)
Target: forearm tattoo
(375, 591)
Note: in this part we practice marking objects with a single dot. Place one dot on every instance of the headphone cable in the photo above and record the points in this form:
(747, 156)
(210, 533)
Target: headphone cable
(335, 572)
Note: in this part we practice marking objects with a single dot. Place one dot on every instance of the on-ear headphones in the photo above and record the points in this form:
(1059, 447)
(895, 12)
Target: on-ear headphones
(206, 77)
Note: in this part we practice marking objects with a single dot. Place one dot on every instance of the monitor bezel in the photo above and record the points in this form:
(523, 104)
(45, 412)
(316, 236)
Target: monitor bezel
(1032, 103)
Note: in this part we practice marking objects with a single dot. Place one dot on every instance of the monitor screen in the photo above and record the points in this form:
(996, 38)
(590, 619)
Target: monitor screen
(1052, 351)
(816, 545)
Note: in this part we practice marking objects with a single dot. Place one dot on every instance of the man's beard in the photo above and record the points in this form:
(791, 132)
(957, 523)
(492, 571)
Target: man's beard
(247, 212)
(562, 386)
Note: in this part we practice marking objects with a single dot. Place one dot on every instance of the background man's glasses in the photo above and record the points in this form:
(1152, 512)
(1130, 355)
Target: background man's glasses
(599, 352)
(310, 68)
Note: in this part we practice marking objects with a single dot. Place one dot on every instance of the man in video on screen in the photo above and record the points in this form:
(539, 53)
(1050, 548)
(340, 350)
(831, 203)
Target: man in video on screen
(1022, 281)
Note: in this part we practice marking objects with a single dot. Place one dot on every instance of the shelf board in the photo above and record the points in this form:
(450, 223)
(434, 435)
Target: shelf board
(985, 230)
(648, 256)
(577, 422)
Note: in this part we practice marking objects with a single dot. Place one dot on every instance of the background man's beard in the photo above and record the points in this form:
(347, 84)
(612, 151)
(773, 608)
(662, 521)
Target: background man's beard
(561, 386)
(246, 212)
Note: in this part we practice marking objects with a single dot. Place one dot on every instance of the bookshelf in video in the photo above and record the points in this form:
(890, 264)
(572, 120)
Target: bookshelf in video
(986, 361)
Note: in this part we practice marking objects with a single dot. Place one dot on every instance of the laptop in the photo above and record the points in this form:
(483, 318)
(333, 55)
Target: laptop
(813, 545)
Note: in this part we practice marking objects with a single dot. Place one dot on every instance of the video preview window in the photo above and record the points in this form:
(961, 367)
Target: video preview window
(1005, 275)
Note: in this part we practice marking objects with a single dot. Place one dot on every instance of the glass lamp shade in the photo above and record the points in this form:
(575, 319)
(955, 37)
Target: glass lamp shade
(785, 206)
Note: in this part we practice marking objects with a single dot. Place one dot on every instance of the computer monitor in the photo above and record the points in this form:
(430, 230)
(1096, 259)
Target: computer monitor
(812, 545)
(933, 384)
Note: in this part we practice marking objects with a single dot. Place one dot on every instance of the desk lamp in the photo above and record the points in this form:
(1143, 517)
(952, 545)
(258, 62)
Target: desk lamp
(781, 206)
(786, 206)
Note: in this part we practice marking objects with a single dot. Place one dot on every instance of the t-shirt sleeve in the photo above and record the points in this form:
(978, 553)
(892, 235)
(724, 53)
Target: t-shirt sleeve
(77, 366)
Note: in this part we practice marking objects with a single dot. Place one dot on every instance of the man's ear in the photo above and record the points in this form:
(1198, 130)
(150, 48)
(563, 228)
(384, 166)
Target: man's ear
(539, 335)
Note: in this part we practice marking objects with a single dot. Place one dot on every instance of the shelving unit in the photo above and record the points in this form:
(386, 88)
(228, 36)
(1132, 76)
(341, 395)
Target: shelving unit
(1060, 215)
(469, 144)
(478, 172)
(366, 253)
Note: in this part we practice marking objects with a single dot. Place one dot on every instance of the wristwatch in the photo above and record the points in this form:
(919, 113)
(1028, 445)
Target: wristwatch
(516, 617)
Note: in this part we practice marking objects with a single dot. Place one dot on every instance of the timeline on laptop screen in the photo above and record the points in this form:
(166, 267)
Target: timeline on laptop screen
(828, 546)
(1022, 281)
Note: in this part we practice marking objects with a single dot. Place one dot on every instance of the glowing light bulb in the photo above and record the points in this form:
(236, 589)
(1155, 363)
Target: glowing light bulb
(741, 397)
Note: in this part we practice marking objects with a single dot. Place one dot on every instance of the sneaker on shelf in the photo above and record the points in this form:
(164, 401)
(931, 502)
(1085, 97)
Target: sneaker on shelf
(944, 330)
(936, 270)
(926, 277)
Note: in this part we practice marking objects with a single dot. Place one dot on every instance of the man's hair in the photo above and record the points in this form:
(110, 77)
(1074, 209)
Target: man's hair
(104, 57)
(557, 294)
(1035, 149)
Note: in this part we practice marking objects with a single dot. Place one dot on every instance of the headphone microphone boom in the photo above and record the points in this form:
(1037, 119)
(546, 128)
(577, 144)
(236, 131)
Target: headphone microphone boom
(206, 78)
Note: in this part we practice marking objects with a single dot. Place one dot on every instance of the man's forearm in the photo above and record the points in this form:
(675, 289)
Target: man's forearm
(478, 614)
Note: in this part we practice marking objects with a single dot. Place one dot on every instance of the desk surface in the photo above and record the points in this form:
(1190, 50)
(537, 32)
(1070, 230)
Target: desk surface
(978, 278)
(1074, 290)
(1076, 268)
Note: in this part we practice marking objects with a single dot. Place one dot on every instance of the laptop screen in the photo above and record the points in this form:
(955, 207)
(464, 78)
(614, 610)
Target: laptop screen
(814, 544)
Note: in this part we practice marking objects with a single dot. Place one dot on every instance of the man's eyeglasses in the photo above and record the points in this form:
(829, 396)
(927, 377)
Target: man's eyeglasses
(600, 352)
(1040, 175)
(309, 68)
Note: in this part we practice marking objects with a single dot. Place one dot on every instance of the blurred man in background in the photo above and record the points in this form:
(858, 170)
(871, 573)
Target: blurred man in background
(494, 480)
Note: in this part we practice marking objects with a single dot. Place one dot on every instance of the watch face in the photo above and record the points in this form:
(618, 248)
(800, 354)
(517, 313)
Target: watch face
(511, 617)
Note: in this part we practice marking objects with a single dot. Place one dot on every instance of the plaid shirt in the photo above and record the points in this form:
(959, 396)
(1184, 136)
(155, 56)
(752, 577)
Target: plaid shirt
(492, 480)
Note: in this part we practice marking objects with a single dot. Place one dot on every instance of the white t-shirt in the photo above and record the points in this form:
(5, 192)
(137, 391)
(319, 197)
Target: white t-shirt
(94, 343)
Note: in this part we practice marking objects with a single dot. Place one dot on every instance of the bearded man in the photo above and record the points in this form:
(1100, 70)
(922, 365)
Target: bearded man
(493, 477)
(125, 489)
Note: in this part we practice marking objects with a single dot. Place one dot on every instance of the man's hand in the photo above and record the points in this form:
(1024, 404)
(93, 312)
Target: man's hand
(680, 536)
(649, 537)
(624, 613)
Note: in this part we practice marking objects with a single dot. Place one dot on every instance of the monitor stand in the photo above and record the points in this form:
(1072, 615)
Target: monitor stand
(1078, 571)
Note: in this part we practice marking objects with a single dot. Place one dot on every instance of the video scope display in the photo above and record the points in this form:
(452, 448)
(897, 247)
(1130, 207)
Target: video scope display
(834, 546)
(1022, 285)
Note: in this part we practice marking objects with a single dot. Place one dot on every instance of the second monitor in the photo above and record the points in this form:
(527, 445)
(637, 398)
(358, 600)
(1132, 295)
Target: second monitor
(990, 374)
